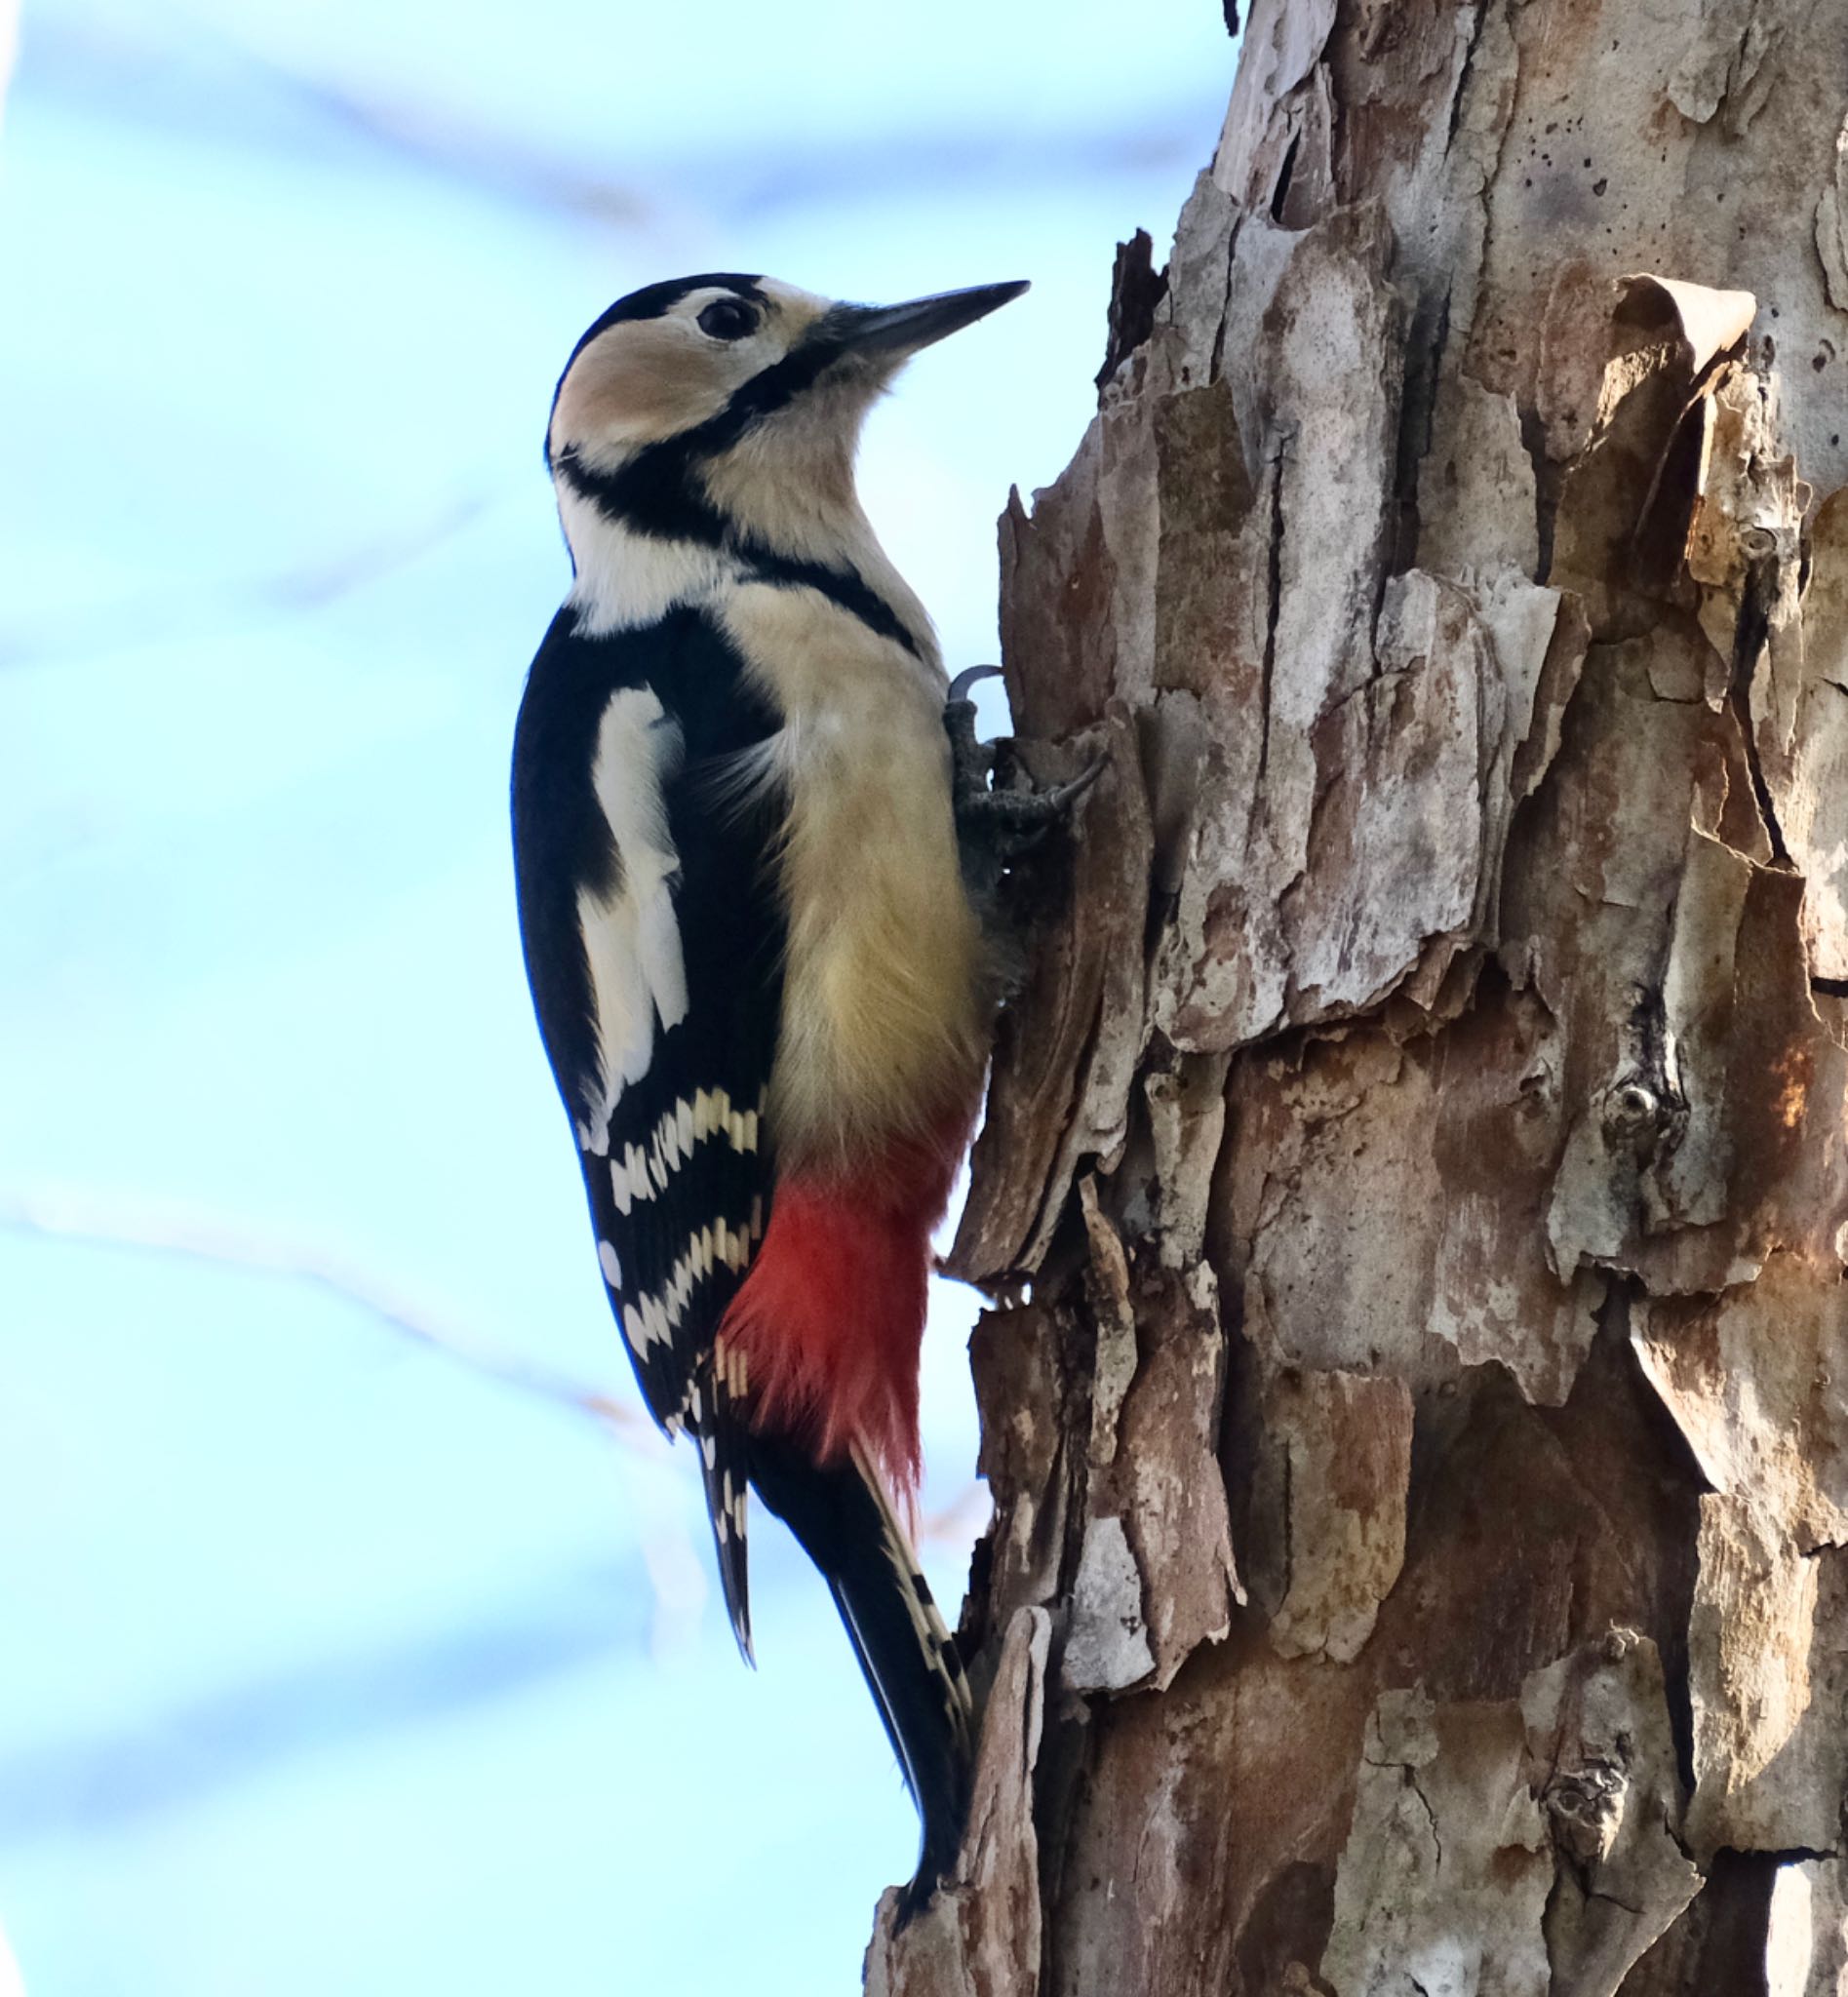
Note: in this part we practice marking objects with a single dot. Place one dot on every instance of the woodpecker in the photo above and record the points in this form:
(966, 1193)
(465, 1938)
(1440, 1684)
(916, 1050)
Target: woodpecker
(759, 973)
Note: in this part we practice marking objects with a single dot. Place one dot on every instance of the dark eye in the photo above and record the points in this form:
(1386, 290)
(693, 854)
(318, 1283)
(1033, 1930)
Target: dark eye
(728, 319)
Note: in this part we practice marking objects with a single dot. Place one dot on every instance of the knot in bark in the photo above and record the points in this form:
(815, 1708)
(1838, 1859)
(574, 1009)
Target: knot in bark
(1585, 1808)
(1758, 543)
(1639, 1112)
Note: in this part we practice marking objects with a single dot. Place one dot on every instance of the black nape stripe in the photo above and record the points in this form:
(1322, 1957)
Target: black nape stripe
(672, 509)
(843, 586)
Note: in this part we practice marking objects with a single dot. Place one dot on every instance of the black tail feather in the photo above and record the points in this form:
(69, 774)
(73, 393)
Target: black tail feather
(846, 1524)
(726, 1497)
(723, 1465)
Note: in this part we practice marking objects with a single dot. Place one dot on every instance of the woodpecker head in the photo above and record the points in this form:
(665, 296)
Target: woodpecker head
(721, 404)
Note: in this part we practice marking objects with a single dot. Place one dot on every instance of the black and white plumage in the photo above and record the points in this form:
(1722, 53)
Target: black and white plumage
(619, 830)
(758, 976)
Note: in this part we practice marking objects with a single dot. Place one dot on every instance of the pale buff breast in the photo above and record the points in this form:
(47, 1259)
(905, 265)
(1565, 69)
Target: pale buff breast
(882, 1027)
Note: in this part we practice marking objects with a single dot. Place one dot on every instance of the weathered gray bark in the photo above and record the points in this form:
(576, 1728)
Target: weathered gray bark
(1415, 1182)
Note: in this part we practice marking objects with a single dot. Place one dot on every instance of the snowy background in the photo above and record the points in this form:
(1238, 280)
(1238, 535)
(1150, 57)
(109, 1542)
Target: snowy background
(355, 1635)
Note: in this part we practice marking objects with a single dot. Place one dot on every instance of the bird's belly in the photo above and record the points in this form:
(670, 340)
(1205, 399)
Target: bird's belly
(882, 1034)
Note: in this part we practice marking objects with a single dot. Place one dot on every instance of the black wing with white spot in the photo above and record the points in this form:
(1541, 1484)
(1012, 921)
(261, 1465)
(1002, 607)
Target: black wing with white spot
(653, 943)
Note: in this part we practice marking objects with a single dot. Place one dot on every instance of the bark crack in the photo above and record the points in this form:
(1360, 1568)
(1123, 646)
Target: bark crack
(1750, 635)
(1216, 365)
(1428, 343)
(1611, 1900)
(1464, 74)
(1287, 173)
(1430, 1815)
(1548, 484)
(1274, 610)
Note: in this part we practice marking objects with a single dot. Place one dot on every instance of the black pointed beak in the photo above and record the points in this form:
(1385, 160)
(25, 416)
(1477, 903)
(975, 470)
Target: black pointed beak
(901, 329)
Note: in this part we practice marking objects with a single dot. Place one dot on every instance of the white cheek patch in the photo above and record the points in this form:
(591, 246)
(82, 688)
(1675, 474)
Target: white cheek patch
(638, 972)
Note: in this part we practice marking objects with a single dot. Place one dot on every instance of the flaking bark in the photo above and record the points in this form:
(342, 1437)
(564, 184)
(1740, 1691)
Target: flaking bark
(1415, 1189)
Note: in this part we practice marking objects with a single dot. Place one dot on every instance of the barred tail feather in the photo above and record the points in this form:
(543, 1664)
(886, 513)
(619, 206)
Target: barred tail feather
(723, 1467)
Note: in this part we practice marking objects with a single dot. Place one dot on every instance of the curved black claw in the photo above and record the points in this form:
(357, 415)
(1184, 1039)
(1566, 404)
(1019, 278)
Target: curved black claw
(971, 676)
(971, 762)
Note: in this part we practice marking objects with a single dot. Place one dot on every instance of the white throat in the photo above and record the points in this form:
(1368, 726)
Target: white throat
(624, 580)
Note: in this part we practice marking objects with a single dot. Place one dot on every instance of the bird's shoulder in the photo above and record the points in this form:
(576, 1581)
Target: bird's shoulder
(684, 659)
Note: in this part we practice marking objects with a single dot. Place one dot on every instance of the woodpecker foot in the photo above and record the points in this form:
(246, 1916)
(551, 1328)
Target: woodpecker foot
(996, 826)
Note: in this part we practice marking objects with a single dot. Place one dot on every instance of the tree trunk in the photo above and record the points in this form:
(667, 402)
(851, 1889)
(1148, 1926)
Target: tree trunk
(1414, 1187)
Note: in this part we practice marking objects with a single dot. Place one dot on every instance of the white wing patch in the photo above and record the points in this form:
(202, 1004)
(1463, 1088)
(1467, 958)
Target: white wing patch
(631, 943)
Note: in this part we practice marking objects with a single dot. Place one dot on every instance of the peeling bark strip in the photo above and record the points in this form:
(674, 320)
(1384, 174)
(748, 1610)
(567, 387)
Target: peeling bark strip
(1420, 1445)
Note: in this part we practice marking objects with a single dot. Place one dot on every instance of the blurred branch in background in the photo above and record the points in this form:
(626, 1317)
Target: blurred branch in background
(674, 1567)
(153, 1229)
(638, 187)
(182, 608)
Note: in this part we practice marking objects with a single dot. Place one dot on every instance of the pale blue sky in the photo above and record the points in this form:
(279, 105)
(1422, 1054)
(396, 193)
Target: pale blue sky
(336, 1661)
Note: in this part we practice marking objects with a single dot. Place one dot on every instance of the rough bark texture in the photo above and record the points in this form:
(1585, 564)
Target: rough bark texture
(1415, 1180)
